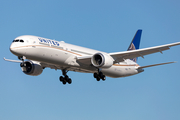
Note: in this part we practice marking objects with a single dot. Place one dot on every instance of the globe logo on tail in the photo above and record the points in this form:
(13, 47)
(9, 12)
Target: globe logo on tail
(132, 47)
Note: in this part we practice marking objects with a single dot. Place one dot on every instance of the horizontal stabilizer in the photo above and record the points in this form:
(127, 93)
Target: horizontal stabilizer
(18, 61)
(155, 65)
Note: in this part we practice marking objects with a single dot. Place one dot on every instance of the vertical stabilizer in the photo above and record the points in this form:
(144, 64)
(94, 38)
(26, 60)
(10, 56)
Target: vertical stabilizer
(135, 42)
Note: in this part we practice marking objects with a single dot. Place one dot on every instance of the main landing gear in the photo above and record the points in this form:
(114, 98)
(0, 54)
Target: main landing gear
(99, 76)
(66, 78)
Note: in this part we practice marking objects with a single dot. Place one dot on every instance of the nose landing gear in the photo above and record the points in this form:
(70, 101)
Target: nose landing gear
(22, 59)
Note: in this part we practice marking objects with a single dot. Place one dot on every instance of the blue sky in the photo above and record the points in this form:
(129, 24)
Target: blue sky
(106, 25)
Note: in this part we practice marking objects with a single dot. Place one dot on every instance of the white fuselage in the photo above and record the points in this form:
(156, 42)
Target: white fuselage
(60, 55)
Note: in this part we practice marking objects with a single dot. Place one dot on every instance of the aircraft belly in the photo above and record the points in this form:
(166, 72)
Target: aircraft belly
(119, 71)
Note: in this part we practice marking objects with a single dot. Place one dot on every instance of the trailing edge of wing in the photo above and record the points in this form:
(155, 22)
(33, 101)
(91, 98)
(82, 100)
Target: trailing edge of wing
(120, 56)
(155, 65)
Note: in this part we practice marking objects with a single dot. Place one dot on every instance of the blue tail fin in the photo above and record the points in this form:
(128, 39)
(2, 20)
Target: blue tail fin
(135, 43)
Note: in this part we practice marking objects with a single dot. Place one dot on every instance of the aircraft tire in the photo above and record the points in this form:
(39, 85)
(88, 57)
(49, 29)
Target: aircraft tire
(95, 75)
(103, 77)
(98, 78)
(22, 64)
(64, 82)
(61, 78)
(69, 81)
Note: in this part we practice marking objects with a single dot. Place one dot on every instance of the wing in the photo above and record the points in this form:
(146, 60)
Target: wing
(120, 56)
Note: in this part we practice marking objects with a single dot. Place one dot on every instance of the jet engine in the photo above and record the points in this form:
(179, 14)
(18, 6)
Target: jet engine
(31, 68)
(102, 60)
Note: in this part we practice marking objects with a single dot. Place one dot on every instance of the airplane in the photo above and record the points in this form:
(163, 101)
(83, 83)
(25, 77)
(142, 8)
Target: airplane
(37, 53)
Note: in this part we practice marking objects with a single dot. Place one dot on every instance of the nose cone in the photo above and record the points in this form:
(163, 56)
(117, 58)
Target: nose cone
(13, 48)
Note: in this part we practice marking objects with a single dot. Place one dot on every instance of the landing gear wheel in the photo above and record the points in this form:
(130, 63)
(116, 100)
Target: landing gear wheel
(64, 82)
(66, 78)
(22, 64)
(61, 78)
(99, 76)
(69, 81)
(103, 78)
(95, 75)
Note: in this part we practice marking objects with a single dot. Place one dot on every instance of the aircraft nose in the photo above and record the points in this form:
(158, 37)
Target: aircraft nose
(12, 48)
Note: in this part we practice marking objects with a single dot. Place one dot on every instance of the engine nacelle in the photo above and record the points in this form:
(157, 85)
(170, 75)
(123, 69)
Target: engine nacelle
(32, 68)
(102, 60)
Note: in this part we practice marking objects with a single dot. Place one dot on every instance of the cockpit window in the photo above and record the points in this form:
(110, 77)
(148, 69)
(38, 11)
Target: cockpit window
(18, 40)
(21, 40)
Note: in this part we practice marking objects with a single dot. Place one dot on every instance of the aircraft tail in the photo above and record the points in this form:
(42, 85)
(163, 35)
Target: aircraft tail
(135, 42)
